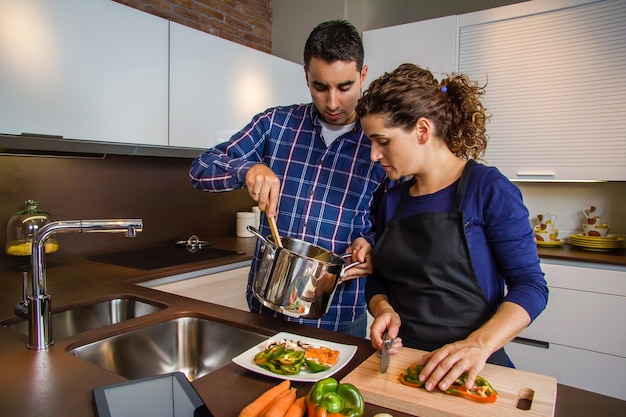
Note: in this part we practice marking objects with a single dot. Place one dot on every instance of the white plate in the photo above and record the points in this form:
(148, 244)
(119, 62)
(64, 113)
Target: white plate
(346, 352)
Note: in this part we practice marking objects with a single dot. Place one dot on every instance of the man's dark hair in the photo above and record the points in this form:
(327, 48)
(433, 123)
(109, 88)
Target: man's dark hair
(335, 40)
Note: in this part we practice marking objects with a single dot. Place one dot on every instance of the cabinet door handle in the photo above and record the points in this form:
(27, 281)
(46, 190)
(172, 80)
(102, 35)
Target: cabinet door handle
(532, 342)
(543, 174)
(41, 135)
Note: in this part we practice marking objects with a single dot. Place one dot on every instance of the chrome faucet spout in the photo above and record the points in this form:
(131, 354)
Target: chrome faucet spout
(38, 303)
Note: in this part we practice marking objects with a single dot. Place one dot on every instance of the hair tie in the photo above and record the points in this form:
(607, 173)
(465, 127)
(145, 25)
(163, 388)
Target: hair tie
(443, 89)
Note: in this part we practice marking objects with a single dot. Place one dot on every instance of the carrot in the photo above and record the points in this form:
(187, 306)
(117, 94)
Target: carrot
(256, 407)
(297, 409)
(279, 407)
(322, 354)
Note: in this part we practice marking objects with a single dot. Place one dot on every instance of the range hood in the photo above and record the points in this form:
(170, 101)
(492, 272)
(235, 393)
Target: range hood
(50, 145)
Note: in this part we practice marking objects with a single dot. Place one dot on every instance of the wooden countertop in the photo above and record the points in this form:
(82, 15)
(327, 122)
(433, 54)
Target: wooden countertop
(568, 252)
(54, 383)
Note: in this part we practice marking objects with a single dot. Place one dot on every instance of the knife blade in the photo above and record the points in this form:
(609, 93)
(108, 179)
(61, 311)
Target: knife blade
(384, 354)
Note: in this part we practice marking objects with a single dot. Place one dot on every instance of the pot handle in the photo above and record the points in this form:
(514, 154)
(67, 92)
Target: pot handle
(257, 234)
(346, 255)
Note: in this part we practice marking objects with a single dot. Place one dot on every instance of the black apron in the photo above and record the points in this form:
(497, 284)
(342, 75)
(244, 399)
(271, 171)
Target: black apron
(432, 284)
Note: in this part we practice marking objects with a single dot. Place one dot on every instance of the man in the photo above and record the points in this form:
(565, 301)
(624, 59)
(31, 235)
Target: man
(308, 165)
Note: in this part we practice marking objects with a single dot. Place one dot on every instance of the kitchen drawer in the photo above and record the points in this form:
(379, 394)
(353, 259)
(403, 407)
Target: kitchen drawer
(578, 368)
(585, 306)
(582, 276)
(582, 319)
(226, 288)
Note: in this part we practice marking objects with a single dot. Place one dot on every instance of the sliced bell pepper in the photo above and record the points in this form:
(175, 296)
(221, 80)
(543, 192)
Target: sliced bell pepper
(410, 377)
(290, 357)
(315, 366)
(482, 391)
(291, 361)
(279, 360)
(328, 397)
(268, 354)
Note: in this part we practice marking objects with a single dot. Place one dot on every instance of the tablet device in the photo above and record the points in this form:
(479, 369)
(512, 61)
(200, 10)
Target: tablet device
(168, 395)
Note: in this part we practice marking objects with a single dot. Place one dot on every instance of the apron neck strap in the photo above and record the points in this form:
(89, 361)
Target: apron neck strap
(460, 190)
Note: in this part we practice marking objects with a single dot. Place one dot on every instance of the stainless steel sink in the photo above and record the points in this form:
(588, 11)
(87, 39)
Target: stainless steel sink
(192, 345)
(93, 316)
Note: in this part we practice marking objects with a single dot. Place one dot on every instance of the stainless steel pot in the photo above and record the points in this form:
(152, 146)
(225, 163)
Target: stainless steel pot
(299, 279)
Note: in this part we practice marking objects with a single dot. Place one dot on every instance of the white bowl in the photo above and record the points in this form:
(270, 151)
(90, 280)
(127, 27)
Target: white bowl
(596, 230)
(546, 236)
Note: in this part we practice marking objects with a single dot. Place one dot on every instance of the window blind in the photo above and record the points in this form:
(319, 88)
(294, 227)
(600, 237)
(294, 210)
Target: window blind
(556, 85)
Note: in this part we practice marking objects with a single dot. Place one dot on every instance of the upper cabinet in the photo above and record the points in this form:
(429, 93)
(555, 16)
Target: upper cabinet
(109, 78)
(92, 70)
(216, 86)
(556, 87)
(430, 44)
(554, 75)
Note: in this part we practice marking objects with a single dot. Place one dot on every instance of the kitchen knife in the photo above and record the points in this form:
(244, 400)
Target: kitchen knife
(384, 354)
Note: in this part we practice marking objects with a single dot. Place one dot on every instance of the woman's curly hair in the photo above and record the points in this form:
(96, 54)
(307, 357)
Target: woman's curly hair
(454, 106)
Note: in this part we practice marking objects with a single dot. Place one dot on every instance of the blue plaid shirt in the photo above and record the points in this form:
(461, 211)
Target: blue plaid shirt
(325, 192)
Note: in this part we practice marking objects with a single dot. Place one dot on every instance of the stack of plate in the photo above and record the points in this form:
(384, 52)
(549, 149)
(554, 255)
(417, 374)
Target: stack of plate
(599, 244)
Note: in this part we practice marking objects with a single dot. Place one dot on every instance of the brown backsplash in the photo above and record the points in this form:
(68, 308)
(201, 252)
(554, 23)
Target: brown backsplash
(247, 22)
(154, 189)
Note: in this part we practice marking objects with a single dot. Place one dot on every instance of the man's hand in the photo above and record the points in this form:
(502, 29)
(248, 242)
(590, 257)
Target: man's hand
(263, 186)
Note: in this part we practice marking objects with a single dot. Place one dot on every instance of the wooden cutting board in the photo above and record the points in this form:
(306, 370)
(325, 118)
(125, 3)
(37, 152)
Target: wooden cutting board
(385, 390)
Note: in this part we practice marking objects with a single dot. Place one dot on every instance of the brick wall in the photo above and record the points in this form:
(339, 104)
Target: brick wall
(247, 22)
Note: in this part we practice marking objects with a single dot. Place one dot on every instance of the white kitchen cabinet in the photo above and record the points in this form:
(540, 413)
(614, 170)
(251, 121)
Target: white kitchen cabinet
(579, 368)
(226, 288)
(93, 70)
(580, 337)
(430, 44)
(550, 67)
(216, 86)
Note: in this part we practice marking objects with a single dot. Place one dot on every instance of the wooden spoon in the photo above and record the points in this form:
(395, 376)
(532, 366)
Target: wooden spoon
(274, 229)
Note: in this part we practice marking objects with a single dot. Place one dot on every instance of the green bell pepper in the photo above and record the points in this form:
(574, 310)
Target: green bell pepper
(315, 366)
(328, 398)
(269, 354)
(279, 360)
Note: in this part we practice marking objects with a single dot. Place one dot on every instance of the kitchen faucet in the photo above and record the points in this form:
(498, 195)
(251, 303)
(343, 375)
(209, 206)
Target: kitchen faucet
(37, 306)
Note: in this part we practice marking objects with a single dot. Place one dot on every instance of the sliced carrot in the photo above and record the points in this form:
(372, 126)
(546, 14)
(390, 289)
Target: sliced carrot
(256, 407)
(279, 407)
(322, 354)
(297, 409)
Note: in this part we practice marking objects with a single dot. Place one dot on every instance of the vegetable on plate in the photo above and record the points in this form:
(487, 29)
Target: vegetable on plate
(315, 366)
(280, 360)
(482, 391)
(289, 357)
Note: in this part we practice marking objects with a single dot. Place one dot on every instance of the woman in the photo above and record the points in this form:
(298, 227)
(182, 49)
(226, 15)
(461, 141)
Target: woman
(453, 238)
